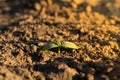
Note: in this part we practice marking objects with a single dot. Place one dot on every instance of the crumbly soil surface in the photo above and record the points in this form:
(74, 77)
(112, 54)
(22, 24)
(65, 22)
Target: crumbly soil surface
(93, 25)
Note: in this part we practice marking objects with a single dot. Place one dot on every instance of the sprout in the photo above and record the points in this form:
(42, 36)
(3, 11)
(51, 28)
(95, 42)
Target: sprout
(58, 44)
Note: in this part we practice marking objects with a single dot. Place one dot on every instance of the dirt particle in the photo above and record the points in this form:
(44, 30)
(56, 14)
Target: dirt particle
(104, 77)
(88, 9)
(109, 69)
(90, 77)
(82, 75)
(37, 6)
(34, 48)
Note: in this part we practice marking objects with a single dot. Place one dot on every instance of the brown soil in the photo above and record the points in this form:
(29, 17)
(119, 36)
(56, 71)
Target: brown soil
(93, 25)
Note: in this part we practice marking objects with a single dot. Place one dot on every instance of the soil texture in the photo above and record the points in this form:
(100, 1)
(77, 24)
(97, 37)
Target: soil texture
(26, 26)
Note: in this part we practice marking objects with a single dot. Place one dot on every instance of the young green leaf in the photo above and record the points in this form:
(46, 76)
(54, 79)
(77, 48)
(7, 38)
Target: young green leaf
(68, 44)
(58, 43)
(49, 45)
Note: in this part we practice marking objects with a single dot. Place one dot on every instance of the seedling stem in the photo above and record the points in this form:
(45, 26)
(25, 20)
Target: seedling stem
(59, 45)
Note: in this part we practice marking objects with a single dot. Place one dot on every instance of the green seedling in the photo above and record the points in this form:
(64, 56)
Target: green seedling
(58, 44)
